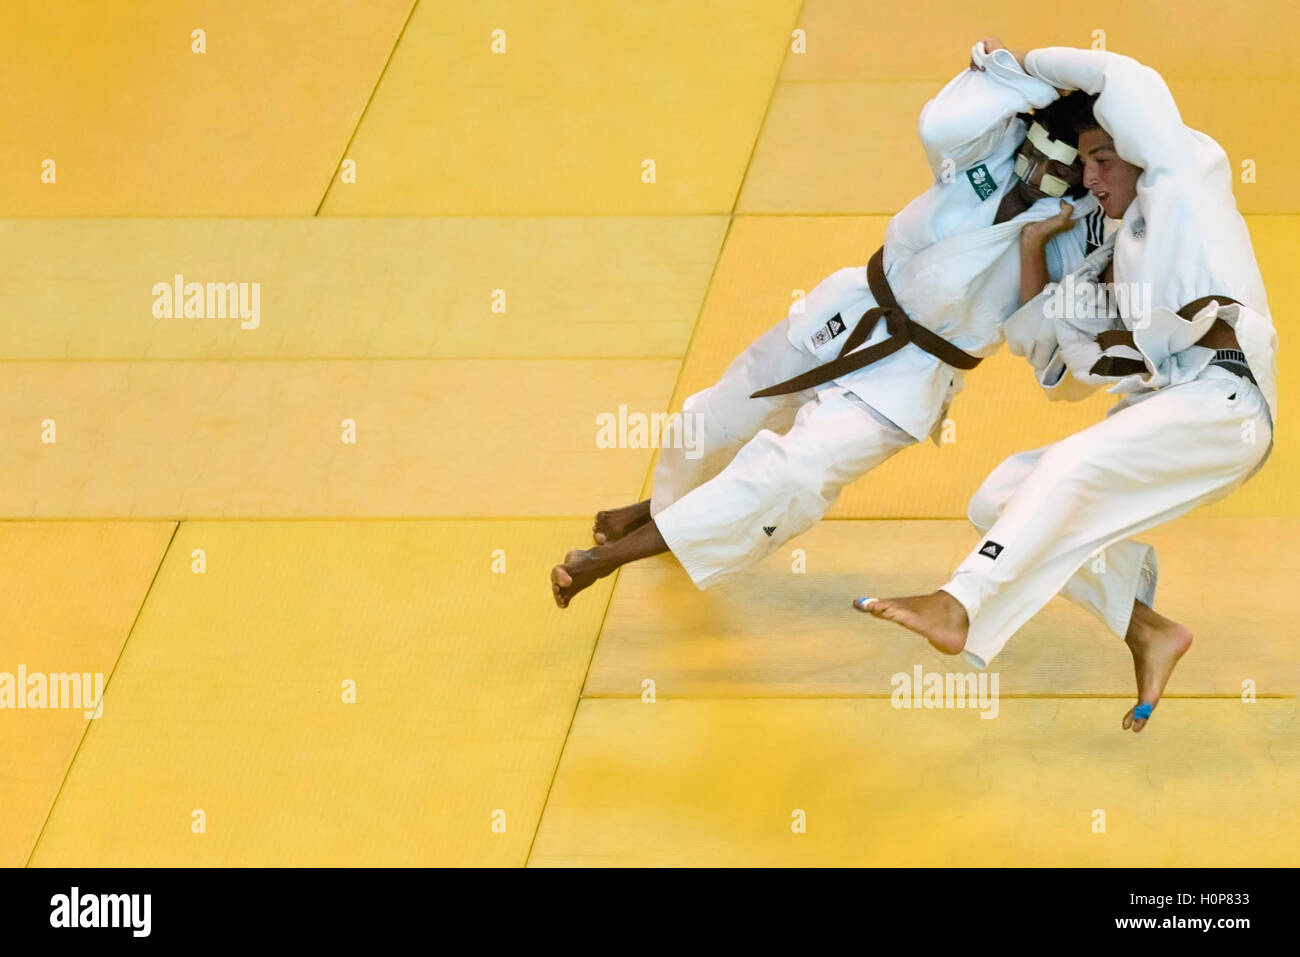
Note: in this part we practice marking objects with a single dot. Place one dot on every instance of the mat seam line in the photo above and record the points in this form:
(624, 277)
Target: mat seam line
(366, 108)
(107, 682)
(695, 327)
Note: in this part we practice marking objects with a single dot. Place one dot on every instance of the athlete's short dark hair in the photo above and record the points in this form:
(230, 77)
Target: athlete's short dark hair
(1066, 118)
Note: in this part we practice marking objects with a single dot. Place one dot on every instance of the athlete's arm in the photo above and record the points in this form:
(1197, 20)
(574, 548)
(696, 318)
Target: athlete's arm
(969, 115)
(1031, 333)
(1133, 104)
(1033, 251)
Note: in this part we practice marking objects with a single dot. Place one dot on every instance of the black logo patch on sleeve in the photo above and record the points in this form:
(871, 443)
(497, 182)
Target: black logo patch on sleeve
(990, 549)
(835, 326)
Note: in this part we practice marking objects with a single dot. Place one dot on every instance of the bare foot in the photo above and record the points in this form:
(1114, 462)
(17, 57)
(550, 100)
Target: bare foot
(580, 569)
(938, 617)
(612, 524)
(1157, 643)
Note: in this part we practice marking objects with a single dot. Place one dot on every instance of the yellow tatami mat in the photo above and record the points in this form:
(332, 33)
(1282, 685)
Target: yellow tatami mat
(229, 700)
(354, 288)
(564, 118)
(267, 439)
(70, 592)
(720, 783)
(839, 147)
(441, 264)
(775, 630)
(136, 122)
(851, 40)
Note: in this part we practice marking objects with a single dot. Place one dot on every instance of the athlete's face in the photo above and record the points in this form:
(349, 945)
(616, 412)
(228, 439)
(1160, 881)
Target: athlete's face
(1105, 175)
(1041, 165)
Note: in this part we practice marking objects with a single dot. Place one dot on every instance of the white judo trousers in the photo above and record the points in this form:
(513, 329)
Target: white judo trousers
(1187, 434)
(1046, 513)
(768, 469)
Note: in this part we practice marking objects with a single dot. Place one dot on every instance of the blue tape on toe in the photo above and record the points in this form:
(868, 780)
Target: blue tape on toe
(1143, 711)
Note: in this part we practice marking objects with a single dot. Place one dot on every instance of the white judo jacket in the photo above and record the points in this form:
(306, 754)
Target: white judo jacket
(1182, 237)
(951, 268)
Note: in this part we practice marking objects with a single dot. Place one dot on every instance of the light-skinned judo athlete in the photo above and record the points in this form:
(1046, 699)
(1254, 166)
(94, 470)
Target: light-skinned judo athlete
(1196, 367)
(869, 361)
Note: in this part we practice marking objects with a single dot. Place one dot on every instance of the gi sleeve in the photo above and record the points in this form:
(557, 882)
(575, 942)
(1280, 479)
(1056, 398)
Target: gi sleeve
(968, 118)
(1031, 333)
(1133, 104)
(1080, 313)
(1059, 338)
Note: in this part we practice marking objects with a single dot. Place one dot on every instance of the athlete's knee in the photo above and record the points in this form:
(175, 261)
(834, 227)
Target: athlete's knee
(986, 505)
(793, 465)
(984, 508)
(819, 471)
(711, 420)
(697, 403)
(1073, 471)
(806, 461)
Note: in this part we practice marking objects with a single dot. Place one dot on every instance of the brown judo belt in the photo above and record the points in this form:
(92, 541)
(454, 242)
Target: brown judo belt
(1119, 366)
(902, 330)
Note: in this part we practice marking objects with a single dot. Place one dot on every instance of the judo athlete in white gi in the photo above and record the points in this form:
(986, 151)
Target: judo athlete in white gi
(771, 464)
(1197, 368)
